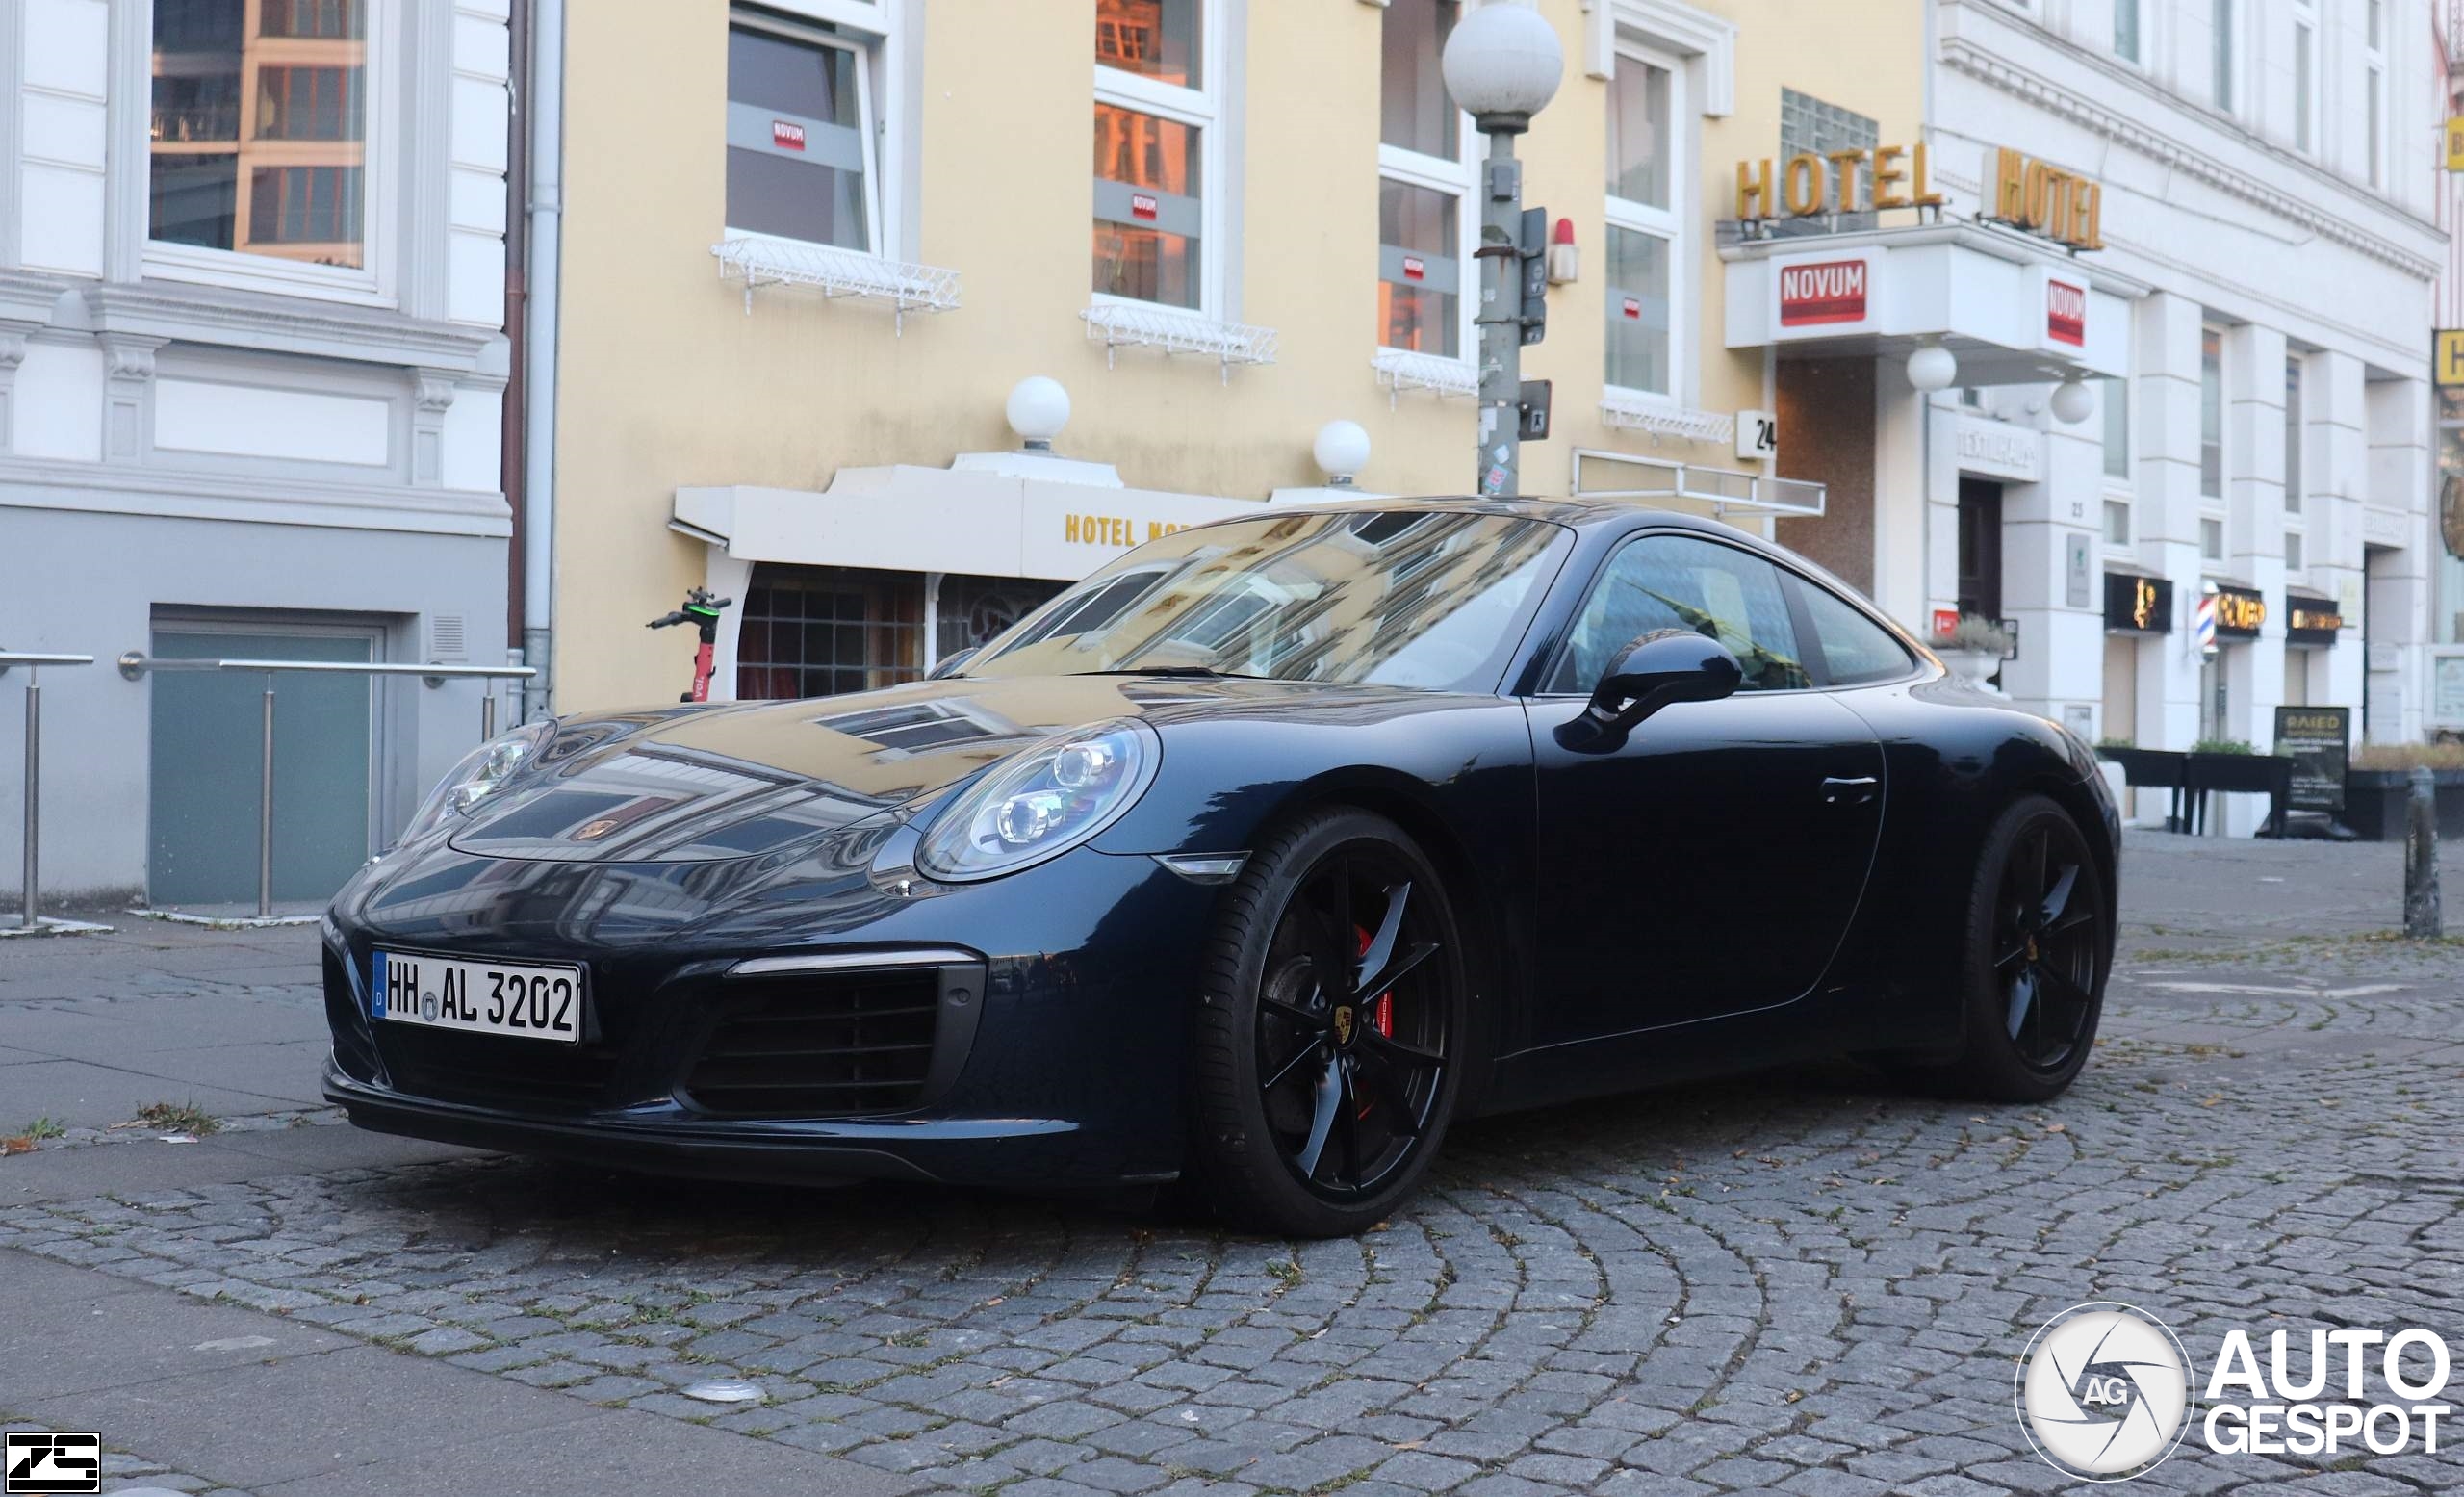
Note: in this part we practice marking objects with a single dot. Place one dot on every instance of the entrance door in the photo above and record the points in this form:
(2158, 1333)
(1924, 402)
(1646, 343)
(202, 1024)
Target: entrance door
(207, 758)
(1981, 548)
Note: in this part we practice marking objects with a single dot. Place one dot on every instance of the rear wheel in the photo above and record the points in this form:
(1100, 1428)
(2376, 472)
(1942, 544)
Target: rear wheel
(1329, 1026)
(2032, 962)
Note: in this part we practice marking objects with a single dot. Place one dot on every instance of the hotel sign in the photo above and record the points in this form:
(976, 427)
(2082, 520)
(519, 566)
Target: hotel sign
(1807, 185)
(2136, 604)
(2042, 199)
(1823, 291)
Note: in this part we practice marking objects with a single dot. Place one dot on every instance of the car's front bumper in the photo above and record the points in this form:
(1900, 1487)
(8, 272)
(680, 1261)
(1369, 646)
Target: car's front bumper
(1065, 1074)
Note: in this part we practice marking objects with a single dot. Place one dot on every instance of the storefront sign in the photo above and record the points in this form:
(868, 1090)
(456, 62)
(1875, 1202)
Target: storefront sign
(2319, 740)
(2238, 612)
(2066, 311)
(1807, 184)
(2138, 604)
(1999, 450)
(1824, 291)
(2310, 621)
(2456, 145)
(1111, 529)
(2031, 195)
(2447, 357)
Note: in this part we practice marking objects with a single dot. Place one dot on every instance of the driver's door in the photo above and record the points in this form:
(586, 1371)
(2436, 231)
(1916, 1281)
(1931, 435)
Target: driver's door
(1710, 863)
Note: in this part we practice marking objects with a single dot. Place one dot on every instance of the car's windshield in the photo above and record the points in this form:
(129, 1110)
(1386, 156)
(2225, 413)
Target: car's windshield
(1432, 599)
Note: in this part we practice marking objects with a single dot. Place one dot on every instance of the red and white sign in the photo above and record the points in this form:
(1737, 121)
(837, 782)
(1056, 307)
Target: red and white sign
(1944, 621)
(2065, 312)
(1142, 205)
(1824, 291)
(1633, 309)
(787, 135)
(1414, 269)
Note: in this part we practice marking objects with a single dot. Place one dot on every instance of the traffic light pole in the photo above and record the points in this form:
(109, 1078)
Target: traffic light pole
(1500, 320)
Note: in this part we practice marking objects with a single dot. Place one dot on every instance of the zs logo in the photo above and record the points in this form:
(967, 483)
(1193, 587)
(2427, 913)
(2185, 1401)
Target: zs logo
(45, 1462)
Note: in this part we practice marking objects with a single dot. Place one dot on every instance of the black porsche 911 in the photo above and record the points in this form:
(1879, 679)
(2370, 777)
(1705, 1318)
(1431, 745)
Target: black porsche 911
(1253, 860)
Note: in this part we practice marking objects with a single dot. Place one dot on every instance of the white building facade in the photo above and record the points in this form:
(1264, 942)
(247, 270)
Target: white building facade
(2267, 168)
(2224, 232)
(252, 370)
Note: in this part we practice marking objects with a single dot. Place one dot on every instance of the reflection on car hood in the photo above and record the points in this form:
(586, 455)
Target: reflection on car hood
(684, 783)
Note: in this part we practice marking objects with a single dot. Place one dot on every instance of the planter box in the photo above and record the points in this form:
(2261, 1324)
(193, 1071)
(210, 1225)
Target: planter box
(2374, 802)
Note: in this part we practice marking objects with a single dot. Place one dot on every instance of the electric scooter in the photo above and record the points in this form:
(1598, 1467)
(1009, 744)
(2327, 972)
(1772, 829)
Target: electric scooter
(702, 611)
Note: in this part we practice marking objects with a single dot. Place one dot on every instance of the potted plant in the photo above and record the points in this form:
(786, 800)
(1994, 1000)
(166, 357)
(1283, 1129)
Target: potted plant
(1974, 649)
(2378, 780)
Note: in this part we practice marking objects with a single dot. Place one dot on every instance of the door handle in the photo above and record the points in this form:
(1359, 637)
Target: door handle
(1848, 790)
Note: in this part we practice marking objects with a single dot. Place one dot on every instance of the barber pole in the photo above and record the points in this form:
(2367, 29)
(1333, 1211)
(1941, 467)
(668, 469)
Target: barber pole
(2205, 620)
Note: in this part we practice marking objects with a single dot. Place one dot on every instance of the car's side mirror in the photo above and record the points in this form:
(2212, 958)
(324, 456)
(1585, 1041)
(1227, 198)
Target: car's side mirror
(1657, 670)
(948, 665)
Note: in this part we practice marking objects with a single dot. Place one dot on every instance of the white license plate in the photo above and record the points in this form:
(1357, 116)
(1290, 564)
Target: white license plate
(487, 998)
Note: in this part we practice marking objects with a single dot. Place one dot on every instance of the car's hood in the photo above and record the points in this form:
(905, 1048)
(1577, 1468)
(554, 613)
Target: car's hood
(683, 784)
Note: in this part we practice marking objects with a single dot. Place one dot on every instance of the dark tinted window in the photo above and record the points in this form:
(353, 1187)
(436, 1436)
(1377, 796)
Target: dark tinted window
(1854, 648)
(1677, 582)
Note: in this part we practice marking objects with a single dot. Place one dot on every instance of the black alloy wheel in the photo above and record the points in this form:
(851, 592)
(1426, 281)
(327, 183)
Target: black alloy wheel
(1328, 1037)
(2035, 955)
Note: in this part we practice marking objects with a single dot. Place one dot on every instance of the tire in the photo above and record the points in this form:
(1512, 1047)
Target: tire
(2035, 953)
(1320, 1085)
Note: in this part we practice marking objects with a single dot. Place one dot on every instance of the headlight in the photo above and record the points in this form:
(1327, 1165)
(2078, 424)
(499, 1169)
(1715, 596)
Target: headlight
(474, 780)
(1047, 800)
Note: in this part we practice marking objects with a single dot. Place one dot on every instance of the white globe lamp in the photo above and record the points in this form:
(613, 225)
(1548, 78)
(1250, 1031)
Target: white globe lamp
(1932, 367)
(1341, 451)
(2072, 403)
(1503, 64)
(1038, 407)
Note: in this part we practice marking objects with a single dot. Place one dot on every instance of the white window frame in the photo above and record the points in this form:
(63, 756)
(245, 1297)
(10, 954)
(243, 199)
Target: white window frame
(1671, 225)
(1202, 109)
(2224, 20)
(872, 73)
(385, 120)
(2145, 10)
(2217, 506)
(2296, 521)
(1458, 179)
(2121, 489)
(2373, 108)
(2305, 78)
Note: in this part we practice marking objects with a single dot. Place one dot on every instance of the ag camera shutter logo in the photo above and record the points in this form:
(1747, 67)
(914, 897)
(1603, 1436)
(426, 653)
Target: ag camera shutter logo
(2104, 1391)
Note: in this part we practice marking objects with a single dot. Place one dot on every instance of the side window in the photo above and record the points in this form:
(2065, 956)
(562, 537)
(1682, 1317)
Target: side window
(1855, 649)
(1676, 581)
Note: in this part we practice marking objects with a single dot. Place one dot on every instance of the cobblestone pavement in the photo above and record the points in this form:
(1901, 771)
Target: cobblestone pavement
(1803, 1282)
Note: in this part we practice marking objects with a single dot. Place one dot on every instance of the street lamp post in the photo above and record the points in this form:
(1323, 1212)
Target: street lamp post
(1501, 65)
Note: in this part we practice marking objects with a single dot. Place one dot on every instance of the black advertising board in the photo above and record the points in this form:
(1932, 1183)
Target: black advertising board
(2310, 621)
(2319, 740)
(2139, 605)
(2239, 611)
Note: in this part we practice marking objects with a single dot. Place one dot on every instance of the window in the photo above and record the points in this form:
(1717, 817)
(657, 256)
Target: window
(2378, 24)
(2305, 87)
(1644, 336)
(1424, 226)
(2211, 413)
(2293, 551)
(1855, 649)
(2114, 397)
(815, 631)
(2126, 46)
(1676, 581)
(258, 139)
(2375, 106)
(1809, 126)
(2116, 521)
(2211, 539)
(2293, 436)
(800, 136)
(2221, 53)
(1154, 127)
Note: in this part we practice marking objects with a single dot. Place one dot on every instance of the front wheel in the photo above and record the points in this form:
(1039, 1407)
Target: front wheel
(1330, 1022)
(2032, 962)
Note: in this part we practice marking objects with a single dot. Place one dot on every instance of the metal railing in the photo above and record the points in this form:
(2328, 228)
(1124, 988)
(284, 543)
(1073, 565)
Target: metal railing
(34, 663)
(134, 664)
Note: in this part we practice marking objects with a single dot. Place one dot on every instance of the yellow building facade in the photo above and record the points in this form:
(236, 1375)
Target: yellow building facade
(810, 250)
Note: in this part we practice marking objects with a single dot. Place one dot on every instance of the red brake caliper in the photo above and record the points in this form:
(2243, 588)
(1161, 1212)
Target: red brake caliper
(1383, 1015)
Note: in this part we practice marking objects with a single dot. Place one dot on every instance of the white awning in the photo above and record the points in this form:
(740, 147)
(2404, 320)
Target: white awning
(2014, 309)
(999, 517)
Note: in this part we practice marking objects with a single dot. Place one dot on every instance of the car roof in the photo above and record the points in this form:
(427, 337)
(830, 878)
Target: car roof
(1582, 514)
